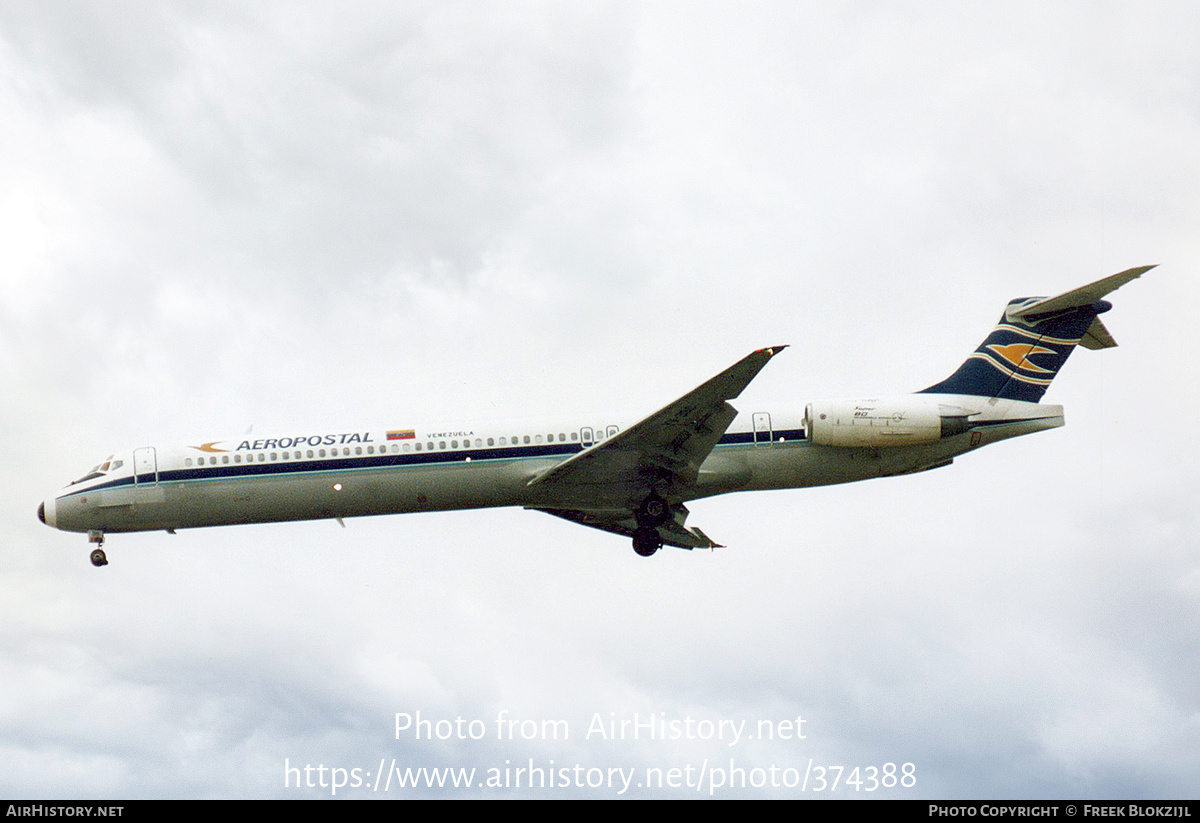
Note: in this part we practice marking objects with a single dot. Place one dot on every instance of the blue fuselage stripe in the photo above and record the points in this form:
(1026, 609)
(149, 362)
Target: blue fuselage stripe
(228, 471)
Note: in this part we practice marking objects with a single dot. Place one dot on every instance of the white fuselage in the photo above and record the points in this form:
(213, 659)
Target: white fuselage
(317, 475)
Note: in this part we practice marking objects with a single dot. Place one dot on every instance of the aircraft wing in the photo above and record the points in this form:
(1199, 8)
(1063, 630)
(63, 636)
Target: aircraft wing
(662, 451)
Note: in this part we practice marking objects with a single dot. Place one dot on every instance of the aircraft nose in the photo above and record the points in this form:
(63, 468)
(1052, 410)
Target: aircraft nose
(48, 512)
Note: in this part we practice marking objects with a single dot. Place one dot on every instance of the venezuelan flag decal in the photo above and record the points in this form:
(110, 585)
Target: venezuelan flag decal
(401, 434)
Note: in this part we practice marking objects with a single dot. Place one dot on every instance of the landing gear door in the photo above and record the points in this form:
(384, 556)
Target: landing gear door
(145, 466)
(762, 429)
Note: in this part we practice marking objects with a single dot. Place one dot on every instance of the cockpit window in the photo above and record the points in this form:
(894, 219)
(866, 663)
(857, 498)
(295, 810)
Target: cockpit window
(100, 469)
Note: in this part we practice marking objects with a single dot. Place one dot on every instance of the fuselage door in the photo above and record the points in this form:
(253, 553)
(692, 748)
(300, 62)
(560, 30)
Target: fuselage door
(145, 466)
(585, 436)
(762, 428)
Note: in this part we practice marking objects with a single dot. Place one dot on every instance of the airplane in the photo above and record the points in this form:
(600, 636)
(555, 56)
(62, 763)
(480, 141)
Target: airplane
(633, 480)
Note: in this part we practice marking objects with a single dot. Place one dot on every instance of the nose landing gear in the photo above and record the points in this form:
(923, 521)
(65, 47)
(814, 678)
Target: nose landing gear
(98, 557)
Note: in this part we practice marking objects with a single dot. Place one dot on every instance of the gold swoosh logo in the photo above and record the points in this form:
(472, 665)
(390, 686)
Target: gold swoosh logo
(1019, 353)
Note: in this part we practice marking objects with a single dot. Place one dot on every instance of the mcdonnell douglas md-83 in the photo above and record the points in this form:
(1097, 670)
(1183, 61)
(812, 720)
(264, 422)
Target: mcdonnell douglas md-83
(633, 480)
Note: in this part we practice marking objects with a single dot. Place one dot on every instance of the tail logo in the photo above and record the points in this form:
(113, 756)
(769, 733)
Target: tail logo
(1018, 355)
(1033, 339)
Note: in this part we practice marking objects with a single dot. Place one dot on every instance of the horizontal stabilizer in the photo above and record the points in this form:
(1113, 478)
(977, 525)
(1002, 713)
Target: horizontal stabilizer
(1082, 296)
(1097, 337)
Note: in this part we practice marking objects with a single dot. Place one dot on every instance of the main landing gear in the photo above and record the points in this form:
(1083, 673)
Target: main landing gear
(651, 513)
(646, 542)
(99, 558)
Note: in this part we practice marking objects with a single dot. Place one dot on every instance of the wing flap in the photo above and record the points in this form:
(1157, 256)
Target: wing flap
(622, 522)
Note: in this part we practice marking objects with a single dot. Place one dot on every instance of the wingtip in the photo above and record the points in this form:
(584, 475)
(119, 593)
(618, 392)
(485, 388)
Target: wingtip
(771, 351)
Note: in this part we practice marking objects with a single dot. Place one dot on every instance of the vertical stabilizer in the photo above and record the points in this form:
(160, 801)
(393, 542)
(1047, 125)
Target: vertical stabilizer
(1033, 339)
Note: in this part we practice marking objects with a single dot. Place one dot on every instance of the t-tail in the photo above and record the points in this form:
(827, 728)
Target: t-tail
(1033, 339)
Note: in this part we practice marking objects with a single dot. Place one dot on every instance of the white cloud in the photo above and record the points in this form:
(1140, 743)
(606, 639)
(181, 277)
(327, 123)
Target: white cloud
(216, 218)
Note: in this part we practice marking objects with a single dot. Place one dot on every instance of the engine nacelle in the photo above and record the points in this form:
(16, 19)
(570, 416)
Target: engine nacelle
(888, 421)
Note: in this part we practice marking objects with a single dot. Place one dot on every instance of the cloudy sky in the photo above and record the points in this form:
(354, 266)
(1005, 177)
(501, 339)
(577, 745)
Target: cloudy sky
(215, 216)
